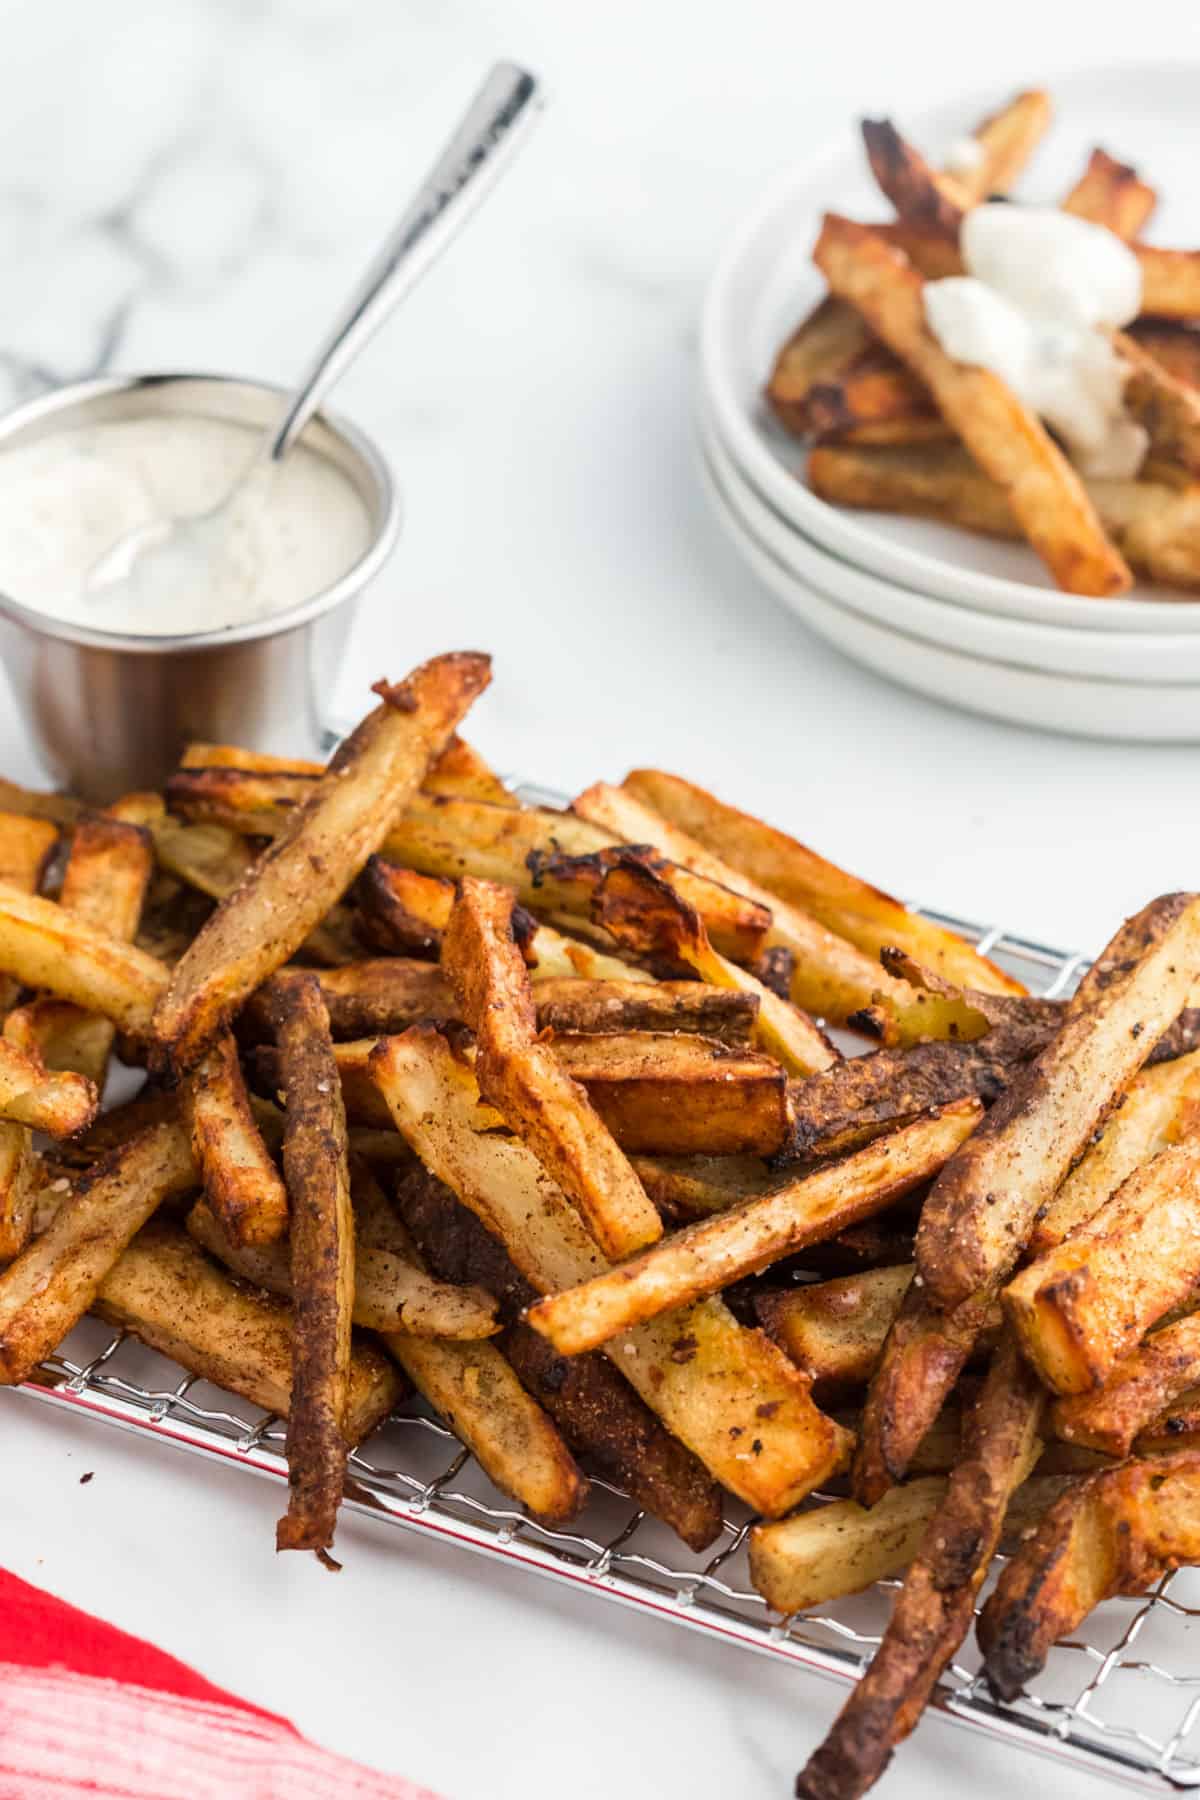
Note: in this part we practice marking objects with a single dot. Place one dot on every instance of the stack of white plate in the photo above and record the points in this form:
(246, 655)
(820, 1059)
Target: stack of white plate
(966, 619)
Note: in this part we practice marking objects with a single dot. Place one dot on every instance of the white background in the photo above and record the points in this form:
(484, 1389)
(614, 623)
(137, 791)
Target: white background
(193, 186)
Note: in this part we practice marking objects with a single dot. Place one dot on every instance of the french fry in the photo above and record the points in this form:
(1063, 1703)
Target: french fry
(459, 771)
(167, 1292)
(919, 193)
(1168, 409)
(1006, 140)
(835, 1330)
(59, 809)
(935, 1606)
(824, 345)
(315, 1161)
(19, 1182)
(45, 946)
(269, 915)
(645, 915)
(872, 400)
(693, 1187)
(664, 1094)
(1083, 1306)
(526, 1080)
(1138, 1391)
(703, 1258)
(718, 1387)
(242, 1184)
(54, 1280)
(841, 1548)
(25, 845)
(1175, 346)
(201, 755)
(1153, 524)
(1115, 1533)
(1170, 282)
(1002, 435)
(787, 870)
(982, 1207)
(60, 1103)
(1111, 193)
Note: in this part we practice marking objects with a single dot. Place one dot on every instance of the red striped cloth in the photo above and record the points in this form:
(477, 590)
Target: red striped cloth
(86, 1709)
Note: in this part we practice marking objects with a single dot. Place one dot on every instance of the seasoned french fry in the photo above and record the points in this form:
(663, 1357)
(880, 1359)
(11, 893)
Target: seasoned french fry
(60, 1104)
(693, 1187)
(268, 916)
(982, 1207)
(919, 193)
(835, 1330)
(1115, 1533)
(25, 845)
(787, 870)
(1083, 1306)
(1111, 193)
(242, 1184)
(1006, 140)
(1175, 346)
(703, 1258)
(19, 1182)
(934, 1608)
(166, 1291)
(460, 772)
(1170, 282)
(1137, 1392)
(872, 400)
(59, 809)
(825, 344)
(1003, 436)
(1168, 409)
(663, 1094)
(45, 946)
(717, 1386)
(527, 1081)
(53, 1282)
(200, 755)
(315, 1161)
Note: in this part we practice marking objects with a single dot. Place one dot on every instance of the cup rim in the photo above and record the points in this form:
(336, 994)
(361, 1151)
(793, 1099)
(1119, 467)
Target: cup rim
(346, 587)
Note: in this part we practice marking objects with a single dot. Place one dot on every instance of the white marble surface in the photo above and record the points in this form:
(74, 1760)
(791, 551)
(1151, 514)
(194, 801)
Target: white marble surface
(192, 185)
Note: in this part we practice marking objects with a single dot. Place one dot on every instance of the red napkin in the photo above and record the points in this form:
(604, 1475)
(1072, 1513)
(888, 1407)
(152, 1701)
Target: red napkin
(85, 1709)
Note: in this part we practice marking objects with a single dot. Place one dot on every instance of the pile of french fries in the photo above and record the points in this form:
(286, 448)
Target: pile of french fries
(897, 425)
(535, 1112)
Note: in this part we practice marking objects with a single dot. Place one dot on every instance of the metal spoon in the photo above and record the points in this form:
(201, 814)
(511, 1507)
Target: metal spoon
(169, 556)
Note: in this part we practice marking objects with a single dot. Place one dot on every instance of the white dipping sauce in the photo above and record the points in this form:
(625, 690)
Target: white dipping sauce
(67, 498)
(1041, 291)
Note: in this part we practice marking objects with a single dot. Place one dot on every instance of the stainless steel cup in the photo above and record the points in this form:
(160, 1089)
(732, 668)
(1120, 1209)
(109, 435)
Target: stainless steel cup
(108, 711)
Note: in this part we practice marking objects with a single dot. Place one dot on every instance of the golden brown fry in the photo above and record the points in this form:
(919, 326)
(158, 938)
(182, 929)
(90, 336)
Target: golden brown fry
(693, 1187)
(242, 1184)
(289, 889)
(921, 195)
(709, 1009)
(315, 1161)
(728, 1393)
(60, 809)
(527, 1081)
(1155, 525)
(835, 1330)
(1167, 409)
(199, 755)
(663, 1094)
(873, 400)
(1003, 436)
(934, 1608)
(1111, 193)
(45, 946)
(26, 845)
(825, 344)
(59, 1104)
(703, 1258)
(1115, 1533)
(1083, 1306)
(401, 912)
(1006, 139)
(53, 1282)
(166, 1291)
(1175, 346)
(787, 870)
(461, 772)
(982, 1207)
(1138, 1391)
(20, 1171)
(1170, 282)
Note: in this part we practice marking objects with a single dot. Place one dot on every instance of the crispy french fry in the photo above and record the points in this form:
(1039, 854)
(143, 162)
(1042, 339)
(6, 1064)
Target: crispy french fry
(693, 1187)
(934, 1608)
(166, 1291)
(841, 1548)
(242, 1184)
(1111, 193)
(268, 916)
(1168, 409)
(1137, 1392)
(1083, 1306)
(709, 1009)
(785, 869)
(1170, 282)
(200, 755)
(59, 809)
(703, 1258)
(45, 946)
(1176, 346)
(1003, 436)
(1006, 140)
(1115, 1533)
(719, 1387)
(459, 771)
(873, 400)
(315, 1161)
(982, 1207)
(919, 193)
(60, 1104)
(19, 1182)
(25, 845)
(835, 1330)
(1154, 524)
(53, 1282)
(823, 346)
(527, 1081)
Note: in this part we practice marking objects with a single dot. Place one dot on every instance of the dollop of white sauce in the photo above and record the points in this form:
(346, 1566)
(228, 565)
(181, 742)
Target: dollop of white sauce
(1041, 292)
(67, 498)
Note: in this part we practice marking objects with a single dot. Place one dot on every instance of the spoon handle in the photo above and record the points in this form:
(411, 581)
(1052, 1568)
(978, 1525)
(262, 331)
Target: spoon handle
(495, 124)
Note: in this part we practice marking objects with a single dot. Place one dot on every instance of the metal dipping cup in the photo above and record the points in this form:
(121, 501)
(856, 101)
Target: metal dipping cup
(108, 711)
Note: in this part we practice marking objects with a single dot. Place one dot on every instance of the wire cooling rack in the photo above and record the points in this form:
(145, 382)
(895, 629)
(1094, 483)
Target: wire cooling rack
(1120, 1701)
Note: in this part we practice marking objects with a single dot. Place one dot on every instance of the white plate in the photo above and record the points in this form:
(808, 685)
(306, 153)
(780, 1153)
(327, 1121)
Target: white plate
(1121, 658)
(765, 283)
(1137, 712)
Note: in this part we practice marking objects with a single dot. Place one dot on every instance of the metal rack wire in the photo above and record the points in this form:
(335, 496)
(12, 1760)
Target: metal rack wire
(1120, 1700)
